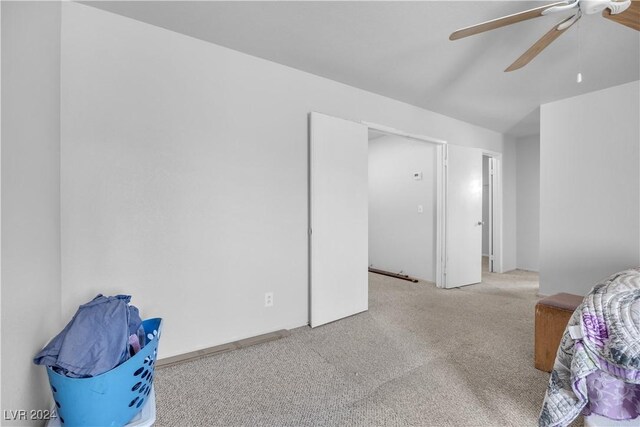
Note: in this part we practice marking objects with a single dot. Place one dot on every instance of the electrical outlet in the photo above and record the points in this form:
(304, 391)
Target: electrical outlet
(420, 209)
(268, 299)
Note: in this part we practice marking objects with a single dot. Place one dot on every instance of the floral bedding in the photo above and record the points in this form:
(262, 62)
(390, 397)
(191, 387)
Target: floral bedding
(597, 367)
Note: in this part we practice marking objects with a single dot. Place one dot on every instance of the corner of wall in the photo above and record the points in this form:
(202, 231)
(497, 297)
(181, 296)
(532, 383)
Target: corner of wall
(528, 202)
(509, 261)
(30, 197)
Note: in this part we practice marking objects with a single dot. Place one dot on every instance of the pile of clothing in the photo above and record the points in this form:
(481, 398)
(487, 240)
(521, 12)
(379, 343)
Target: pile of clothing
(597, 367)
(103, 333)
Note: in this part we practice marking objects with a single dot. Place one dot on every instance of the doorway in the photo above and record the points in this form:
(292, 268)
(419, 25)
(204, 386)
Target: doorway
(490, 213)
(486, 214)
(402, 205)
(338, 215)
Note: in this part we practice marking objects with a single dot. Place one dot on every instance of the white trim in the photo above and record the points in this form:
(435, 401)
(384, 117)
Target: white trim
(490, 153)
(392, 131)
(2, 287)
(497, 216)
(496, 226)
(492, 181)
(441, 215)
(441, 193)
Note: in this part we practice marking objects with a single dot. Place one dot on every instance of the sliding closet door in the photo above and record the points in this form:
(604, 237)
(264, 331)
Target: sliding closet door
(338, 218)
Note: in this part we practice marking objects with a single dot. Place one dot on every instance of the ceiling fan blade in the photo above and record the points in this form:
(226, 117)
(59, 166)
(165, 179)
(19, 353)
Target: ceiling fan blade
(544, 41)
(504, 21)
(630, 17)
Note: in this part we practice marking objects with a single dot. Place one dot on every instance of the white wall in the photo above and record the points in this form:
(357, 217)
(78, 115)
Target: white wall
(590, 188)
(521, 203)
(1, 405)
(400, 238)
(184, 175)
(485, 206)
(30, 197)
(509, 211)
(528, 202)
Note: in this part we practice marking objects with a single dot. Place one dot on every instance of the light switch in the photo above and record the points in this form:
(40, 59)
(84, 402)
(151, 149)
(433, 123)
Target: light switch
(420, 209)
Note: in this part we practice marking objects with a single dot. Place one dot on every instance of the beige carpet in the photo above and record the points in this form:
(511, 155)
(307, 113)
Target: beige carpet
(420, 356)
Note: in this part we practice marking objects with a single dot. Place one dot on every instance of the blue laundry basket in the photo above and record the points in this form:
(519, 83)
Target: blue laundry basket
(112, 398)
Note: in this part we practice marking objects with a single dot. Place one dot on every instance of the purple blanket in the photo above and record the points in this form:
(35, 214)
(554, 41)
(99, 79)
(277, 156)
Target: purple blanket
(597, 368)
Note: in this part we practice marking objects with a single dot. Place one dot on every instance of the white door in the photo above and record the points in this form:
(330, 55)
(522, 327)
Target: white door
(463, 216)
(338, 218)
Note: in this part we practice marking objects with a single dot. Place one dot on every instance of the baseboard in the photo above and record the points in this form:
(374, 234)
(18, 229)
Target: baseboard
(222, 348)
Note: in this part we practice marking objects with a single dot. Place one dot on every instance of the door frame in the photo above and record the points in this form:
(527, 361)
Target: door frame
(495, 217)
(441, 216)
(496, 230)
(441, 188)
(496, 227)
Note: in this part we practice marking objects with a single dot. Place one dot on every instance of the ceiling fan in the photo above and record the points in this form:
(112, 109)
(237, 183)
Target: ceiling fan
(625, 12)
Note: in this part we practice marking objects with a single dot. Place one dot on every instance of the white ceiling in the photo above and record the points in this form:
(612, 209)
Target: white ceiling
(401, 50)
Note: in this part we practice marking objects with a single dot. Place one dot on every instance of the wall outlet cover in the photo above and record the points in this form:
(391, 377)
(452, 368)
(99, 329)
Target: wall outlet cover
(268, 299)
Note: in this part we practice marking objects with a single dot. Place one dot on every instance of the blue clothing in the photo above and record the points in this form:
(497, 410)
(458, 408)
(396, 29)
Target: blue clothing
(95, 340)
